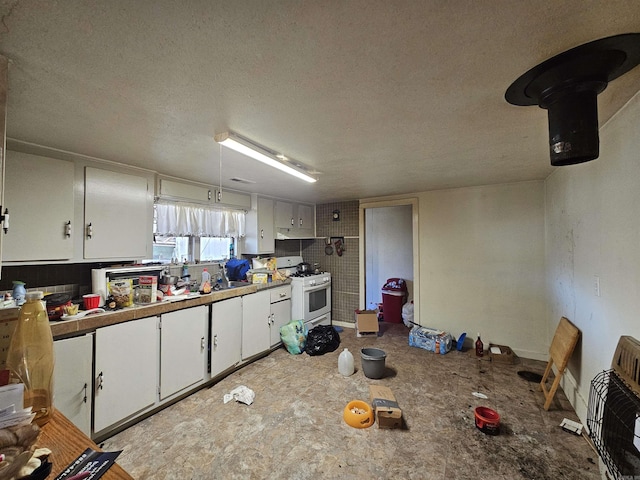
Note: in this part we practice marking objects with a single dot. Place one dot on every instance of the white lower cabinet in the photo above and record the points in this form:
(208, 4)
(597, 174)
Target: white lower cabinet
(256, 323)
(72, 383)
(280, 311)
(126, 371)
(183, 349)
(226, 334)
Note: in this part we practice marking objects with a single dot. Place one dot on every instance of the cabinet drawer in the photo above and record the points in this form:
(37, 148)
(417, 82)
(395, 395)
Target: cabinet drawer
(280, 293)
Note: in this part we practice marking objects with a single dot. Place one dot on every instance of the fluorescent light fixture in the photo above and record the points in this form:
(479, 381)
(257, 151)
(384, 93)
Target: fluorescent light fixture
(262, 154)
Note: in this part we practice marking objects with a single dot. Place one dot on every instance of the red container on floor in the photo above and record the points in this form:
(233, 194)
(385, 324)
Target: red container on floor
(394, 296)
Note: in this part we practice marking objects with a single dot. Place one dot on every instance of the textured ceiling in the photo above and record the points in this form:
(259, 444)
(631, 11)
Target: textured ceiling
(380, 97)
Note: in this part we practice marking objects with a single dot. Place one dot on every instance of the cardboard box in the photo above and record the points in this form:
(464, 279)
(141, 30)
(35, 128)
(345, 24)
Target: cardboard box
(383, 401)
(148, 288)
(501, 354)
(366, 323)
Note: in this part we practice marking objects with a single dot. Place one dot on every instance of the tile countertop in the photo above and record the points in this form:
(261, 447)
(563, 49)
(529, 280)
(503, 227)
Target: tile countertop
(67, 328)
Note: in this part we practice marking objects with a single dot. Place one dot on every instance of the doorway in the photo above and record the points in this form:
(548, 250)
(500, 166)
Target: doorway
(389, 241)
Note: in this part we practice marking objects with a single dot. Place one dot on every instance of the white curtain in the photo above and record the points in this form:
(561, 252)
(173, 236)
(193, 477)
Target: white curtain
(183, 219)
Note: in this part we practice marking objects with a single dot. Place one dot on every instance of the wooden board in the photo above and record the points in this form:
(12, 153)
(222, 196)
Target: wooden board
(562, 346)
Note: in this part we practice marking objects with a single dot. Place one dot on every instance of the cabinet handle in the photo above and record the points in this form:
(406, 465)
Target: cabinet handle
(215, 340)
(261, 233)
(85, 393)
(89, 230)
(202, 343)
(4, 220)
(100, 381)
(292, 221)
(282, 295)
(209, 195)
(67, 229)
(301, 222)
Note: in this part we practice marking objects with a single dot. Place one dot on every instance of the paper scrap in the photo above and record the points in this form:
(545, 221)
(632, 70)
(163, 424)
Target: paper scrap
(479, 395)
(495, 350)
(240, 394)
(571, 426)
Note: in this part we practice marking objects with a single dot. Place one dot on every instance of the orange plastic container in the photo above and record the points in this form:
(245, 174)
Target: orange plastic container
(358, 420)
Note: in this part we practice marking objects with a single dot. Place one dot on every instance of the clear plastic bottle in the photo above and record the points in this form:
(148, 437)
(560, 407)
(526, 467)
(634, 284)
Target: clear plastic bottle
(345, 363)
(30, 357)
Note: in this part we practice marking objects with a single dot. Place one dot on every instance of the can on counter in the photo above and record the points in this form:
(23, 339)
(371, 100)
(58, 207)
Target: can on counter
(55, 303)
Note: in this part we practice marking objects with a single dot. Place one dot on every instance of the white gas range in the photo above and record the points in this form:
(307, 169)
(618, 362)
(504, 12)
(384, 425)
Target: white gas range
(310, 293)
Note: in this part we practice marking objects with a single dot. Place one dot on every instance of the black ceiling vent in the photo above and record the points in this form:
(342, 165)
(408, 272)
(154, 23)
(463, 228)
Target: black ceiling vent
(567, 86)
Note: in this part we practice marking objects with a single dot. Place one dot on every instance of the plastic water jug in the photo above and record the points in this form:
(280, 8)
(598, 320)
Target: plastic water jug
(30, 357)
(345, 363)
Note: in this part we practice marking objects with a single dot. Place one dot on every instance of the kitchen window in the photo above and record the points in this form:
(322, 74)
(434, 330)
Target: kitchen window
(195, 232)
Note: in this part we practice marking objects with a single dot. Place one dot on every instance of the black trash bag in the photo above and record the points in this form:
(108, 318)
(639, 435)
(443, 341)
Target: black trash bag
(322, 339)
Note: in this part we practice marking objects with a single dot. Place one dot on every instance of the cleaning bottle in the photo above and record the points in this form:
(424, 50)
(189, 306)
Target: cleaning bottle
(479, 347)
(205, 285)
(30, 357)
(345, 363)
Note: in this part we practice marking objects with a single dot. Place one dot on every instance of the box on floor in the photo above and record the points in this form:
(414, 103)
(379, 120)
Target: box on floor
(388, 413)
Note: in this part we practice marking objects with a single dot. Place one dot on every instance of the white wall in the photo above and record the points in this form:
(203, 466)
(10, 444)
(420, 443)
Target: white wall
(388, 249)
(482, 264)
(593, 229)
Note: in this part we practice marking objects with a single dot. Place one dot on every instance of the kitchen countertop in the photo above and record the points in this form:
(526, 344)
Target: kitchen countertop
(68, 328)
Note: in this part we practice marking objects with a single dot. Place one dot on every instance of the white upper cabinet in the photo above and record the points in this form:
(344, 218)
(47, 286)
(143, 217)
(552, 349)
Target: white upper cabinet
(184, 191)
(294, 220)
(118, 214)
(259, 237)
(39, 197)
(283, 214)
(179, 190)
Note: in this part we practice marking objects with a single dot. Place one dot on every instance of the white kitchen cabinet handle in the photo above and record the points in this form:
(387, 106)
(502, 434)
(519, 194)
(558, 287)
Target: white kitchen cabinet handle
(85, 393)
(292, 221)
(301, 222)
(67, 229)
(4, 220)
(202, 345)
(283, 294)
(89, 230)
(100, 381)
(261, 233)
(215, 340)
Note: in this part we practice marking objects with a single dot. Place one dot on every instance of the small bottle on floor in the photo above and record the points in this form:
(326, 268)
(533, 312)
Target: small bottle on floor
(479, 347)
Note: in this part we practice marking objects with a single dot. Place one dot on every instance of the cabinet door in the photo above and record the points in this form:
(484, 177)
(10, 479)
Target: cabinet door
(183, 348)
(39, 196)
(126, 371)
(256, 322)
(283, 215)
(185, 191)
(72, 384)
(118, 213)
(226, 334)
(280, 315)
(306, 217)
(259, 237)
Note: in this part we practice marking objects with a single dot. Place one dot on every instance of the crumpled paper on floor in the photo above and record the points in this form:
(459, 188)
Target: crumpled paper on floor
(240, 394)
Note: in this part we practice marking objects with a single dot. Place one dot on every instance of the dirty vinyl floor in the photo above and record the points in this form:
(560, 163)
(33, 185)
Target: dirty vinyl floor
(294, 429)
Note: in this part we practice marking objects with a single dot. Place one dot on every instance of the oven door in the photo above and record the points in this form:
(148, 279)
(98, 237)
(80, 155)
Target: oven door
(317, 301)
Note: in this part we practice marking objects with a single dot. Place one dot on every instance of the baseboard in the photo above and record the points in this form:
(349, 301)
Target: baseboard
(572, 392)
(533, 355)
(344, 324)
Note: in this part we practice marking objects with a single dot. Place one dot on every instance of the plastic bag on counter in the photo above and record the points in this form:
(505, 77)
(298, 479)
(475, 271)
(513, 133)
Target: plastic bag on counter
(322, 339)
(294, 336)
(237, 269)
(122, 292)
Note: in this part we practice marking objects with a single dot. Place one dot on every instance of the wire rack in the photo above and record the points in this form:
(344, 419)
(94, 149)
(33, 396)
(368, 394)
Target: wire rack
(613, 420)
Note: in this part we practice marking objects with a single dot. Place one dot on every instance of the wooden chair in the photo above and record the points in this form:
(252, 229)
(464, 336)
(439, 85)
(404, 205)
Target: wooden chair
(562, 346)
